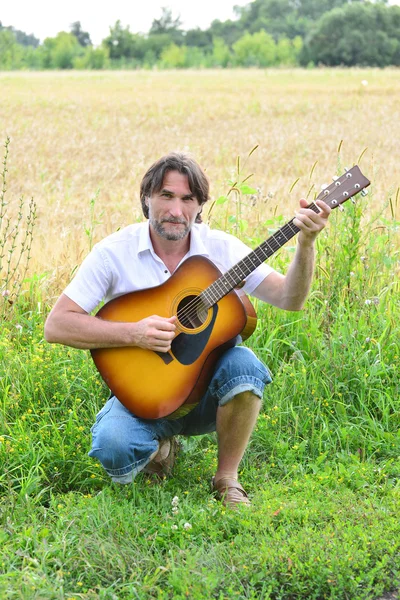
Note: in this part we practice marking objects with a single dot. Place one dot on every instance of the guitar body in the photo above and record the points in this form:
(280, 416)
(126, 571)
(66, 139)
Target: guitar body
(157, 384)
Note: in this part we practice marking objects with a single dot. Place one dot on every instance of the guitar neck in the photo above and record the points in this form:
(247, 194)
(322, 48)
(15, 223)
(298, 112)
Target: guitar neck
(236, 274)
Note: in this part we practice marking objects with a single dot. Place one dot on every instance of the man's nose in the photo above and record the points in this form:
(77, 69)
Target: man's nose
(175, 207)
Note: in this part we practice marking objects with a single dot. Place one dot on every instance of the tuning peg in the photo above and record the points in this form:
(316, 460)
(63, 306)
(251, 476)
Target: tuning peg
(335, 177)
(341, 207)
(354, 201)
(346, 169)
(364, 192)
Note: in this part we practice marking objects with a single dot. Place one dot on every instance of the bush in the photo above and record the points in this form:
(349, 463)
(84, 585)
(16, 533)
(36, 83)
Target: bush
(94, 58)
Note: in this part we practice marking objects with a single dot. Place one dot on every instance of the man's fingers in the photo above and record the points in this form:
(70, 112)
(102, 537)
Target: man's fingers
(161, 336)
(306, 220)
(324, 208)
(164, 324)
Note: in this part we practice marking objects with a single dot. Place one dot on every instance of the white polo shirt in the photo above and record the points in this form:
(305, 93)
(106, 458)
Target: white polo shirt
(125, 262)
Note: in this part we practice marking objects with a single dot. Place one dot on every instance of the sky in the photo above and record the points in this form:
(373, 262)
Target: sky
(45, 18)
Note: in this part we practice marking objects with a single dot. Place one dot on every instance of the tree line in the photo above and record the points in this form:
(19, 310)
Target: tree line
(265, 33)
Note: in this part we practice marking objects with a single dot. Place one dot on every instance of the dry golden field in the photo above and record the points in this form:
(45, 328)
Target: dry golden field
(74, 133)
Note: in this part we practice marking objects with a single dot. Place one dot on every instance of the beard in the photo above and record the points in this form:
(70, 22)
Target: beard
(170, 235)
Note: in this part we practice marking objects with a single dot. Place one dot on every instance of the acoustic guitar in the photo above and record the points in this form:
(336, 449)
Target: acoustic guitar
(210, 313)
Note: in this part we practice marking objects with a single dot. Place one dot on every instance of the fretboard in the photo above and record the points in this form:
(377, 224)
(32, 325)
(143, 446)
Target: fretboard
(238, 273)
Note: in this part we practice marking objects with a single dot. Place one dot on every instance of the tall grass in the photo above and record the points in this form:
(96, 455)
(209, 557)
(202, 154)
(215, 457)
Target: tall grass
(322, 466)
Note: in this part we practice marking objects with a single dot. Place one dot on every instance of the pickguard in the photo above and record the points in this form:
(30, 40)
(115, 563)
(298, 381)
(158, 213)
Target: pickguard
(187, 347)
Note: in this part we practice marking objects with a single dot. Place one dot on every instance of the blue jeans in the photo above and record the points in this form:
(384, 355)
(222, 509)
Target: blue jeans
(124, 443)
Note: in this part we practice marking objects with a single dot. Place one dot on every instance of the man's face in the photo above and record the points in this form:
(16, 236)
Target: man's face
(173, 210)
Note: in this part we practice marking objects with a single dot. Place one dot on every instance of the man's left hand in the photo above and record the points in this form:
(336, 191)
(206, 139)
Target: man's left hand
(309, 222)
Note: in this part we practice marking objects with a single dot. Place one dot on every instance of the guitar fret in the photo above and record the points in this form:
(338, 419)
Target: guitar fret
(236, 274)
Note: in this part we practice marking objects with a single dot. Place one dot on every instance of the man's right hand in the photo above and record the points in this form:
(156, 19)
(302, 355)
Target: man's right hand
(70, 325)
(155, 333)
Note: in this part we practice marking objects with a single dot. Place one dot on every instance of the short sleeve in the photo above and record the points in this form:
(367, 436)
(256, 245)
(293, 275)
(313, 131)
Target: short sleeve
(91, 283)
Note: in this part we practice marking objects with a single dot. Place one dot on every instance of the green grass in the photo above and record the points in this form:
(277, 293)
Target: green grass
(322, 467)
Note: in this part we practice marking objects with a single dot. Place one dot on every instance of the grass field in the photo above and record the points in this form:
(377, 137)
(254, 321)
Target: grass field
(73, 134)
(323, 465)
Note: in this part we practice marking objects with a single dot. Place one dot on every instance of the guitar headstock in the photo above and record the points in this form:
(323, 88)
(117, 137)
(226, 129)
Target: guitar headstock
(344, 187)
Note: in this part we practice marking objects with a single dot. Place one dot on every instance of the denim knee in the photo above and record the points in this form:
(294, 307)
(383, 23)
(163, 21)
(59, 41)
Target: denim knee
(120, 441)
(239, 370)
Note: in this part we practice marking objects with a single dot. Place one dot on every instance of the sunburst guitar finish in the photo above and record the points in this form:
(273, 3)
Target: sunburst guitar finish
(157, 384)
(210, 316)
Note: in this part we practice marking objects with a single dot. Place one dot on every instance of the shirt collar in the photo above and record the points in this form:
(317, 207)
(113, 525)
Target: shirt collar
(144, 238)
(196, 243)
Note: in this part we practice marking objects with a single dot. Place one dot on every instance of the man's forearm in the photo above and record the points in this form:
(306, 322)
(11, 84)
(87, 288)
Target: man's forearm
(298, 278)
(87, 332)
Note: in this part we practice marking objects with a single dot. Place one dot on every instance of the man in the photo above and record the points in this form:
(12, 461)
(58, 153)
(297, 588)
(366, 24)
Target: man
(144, 255)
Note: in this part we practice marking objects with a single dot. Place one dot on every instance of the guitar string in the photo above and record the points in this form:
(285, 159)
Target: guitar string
(197, 303)
(218, 284)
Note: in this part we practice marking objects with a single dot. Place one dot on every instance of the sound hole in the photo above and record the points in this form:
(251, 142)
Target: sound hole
(191, 312)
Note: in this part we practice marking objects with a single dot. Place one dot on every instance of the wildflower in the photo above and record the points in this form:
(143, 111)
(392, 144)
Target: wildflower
(368, 302)
(174, 527)
(19, 327)
(175, 501)
(5, 293)
(364, 82)
(187, 526)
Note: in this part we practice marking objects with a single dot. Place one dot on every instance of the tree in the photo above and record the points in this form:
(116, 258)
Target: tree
(21, 37)
(59, 52)
(122, 43)
(287, 51)
(93, 58)
(173, 57)
(357, 34)
(221, 55)
(82, 36)
(167, 24)
(289, 18)
(10, 51)
(257, 49)
(229, 31)
(197, 37)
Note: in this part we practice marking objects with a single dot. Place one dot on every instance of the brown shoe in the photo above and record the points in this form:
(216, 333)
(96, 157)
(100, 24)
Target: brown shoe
(230, 492)
(162, 468)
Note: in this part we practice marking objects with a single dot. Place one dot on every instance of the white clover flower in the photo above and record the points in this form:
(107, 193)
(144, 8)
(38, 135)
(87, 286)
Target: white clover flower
(368, 301)
(175, 501)
(5, 293)
(174, 527)
(187, 526)
(19, 327)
